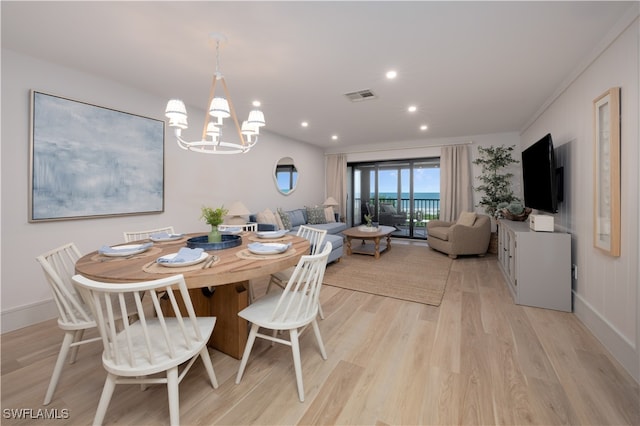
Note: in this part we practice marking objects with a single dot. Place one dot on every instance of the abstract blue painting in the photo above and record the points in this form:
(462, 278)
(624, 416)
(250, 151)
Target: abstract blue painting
(88, 161)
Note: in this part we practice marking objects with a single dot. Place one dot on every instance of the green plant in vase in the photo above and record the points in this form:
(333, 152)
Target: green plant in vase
(214, 217)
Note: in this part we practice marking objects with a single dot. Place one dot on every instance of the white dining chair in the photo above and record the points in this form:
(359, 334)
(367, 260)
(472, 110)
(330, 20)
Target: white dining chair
(74, 317)
(246, 227)
(155, 343)
(316, 238)
(290, 309)
(130, 236)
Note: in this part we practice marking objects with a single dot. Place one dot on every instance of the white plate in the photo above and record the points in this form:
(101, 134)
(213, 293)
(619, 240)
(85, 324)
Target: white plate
(202, 257)
(267, 248)
(171, 237)
(272, 234)
(235, 230)
(127, 250)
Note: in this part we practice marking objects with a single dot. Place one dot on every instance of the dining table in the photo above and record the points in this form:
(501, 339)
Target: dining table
(218, 286)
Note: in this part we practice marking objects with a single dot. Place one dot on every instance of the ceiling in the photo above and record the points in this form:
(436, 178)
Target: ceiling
(470, 67)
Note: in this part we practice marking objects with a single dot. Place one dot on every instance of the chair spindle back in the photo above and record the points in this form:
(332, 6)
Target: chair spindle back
(300, 298)
(59, 266)
(153, 341)
(144, 235)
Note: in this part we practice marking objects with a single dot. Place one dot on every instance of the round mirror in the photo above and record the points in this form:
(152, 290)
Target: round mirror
(285, 175)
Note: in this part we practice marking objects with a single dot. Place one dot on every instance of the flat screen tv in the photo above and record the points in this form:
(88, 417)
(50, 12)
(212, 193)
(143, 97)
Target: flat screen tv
(540, 176)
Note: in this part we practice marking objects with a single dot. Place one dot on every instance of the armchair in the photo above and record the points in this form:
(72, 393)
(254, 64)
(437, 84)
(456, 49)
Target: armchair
(470, 234)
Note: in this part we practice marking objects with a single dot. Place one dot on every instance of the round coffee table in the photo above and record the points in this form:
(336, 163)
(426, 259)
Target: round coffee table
(356, 233)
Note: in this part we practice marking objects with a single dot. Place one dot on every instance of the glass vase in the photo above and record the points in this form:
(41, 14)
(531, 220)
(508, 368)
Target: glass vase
(214, 235)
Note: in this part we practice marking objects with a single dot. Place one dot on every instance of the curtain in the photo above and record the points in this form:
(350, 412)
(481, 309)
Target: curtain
(455, 182)
(336, 181)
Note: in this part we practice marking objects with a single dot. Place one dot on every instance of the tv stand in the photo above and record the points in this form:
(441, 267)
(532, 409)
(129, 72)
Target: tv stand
(536, 265)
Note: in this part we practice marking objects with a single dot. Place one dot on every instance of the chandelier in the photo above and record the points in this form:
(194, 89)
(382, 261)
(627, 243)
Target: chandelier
(215, 135)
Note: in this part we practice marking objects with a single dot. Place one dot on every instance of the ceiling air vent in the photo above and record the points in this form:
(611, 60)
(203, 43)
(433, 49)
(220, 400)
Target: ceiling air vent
(360, 95)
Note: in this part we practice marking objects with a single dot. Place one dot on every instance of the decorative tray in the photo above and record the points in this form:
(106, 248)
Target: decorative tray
(202, 242)
(364, 228)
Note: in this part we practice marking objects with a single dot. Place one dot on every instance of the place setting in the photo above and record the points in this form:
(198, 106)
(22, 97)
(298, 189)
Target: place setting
(124, 251)
(270, 250)
(185, 259)
(271, 236)
(162, 237)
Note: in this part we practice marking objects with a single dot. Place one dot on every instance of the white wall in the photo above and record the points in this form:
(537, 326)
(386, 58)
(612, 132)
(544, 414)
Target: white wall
(606, 295)
(191, 180)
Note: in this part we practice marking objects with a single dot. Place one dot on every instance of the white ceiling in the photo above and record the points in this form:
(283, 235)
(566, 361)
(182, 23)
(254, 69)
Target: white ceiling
(470, 67)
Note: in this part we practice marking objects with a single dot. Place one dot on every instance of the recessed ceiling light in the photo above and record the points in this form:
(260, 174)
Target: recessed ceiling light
(412, 108)
(334, 137)
(391, 74)
(256, 103)
(304, 124)
(423, 127)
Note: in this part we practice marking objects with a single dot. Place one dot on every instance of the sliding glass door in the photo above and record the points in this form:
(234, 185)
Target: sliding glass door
(403, 194)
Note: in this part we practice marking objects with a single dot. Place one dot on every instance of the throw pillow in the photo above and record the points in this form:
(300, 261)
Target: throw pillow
(279, 221)
(315, 215)
(328, 215)
(266, 216)
(388, 208)
(467, 218)
(284, 217)
(297, 218)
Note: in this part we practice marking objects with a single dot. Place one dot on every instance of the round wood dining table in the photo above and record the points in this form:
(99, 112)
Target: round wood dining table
(220, 290)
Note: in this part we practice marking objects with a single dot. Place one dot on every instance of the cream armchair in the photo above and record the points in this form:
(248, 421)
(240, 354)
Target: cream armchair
(470, 234)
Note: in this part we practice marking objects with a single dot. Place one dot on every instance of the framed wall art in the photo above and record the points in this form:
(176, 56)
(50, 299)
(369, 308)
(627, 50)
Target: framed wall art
(88, 161)
(606, 111)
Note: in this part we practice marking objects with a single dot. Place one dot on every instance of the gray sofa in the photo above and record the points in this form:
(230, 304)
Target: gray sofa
(299, 217)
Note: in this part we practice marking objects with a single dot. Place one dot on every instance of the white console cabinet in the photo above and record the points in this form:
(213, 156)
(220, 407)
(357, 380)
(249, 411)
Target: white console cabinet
(536, 265)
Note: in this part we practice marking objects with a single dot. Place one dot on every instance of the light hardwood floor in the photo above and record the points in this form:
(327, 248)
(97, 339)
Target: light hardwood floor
(476, 359)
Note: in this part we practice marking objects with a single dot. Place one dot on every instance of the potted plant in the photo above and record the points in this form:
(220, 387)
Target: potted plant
(495, 180)
(214, 217)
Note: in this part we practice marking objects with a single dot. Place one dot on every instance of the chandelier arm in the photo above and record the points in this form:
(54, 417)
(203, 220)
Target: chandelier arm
(233, 113)
(181, 142)
(207, 117)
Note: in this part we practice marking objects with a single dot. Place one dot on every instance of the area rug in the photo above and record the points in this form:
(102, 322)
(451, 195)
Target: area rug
(407, 272)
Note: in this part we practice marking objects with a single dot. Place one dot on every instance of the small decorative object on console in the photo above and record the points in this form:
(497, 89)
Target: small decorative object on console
(515, 211)
(541, 222)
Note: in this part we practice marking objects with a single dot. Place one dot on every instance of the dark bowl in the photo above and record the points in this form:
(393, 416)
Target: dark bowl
(202, 242)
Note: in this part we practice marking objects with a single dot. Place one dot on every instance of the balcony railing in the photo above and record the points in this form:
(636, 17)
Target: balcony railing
(423, 208)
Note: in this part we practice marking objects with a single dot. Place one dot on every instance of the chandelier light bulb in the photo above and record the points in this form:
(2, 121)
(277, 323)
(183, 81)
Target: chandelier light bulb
(176, 112)
(219, 108)
(256, 117)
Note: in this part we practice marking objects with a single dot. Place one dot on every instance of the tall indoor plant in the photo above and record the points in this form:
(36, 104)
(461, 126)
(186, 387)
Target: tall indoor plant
(495, 179)
(214, 217)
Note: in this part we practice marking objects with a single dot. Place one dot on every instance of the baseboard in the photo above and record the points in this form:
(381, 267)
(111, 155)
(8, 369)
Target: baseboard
(621, 348)
(26, 315)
